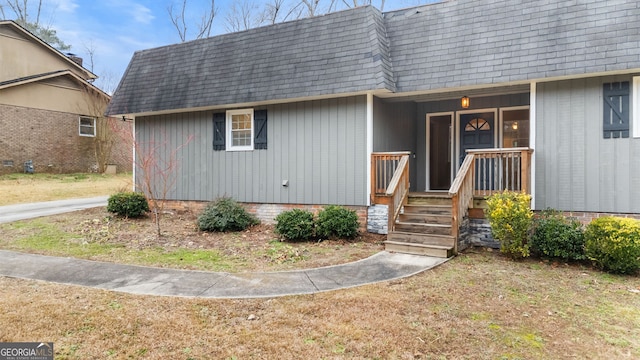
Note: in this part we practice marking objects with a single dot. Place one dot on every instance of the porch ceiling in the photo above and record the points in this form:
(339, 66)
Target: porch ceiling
(455, 94)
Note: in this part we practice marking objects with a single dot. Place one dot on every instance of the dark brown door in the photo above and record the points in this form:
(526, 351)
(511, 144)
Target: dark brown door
(440, 152)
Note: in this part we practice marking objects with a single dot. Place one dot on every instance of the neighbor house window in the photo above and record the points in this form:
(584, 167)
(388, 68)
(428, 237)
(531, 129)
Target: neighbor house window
(616, 110)
(87, 126)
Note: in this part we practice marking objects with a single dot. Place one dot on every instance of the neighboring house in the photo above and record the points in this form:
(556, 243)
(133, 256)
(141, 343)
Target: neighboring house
(299, 113)
(49, 109)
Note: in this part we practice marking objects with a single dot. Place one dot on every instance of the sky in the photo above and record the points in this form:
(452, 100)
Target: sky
(115, 29)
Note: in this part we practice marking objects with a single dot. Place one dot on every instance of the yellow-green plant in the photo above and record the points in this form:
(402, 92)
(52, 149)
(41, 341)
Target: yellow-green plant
(511, 219)
(613, 243)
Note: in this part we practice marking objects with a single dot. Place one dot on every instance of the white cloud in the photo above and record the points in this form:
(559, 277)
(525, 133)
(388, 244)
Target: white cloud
(140, 13)
(67, 6)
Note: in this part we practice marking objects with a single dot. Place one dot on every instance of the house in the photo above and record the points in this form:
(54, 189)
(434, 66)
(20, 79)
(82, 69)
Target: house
(51, 115)
(410, 116)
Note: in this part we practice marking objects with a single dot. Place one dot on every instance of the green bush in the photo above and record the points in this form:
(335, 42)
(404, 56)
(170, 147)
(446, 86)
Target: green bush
(337, 222)
(613, 243)
(128, 204)
(225, 214)
(510, 218)
(557, 236)
(296, 224)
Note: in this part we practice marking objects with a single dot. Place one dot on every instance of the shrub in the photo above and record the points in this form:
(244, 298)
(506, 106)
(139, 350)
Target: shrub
(613, 243)
(296, 224)
(337, 221)
(557, 236)
(225, 214)
(510, 218)
(128, 204)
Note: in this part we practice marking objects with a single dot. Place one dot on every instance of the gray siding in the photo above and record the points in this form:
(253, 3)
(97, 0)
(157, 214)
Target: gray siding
(576, 168)
(394, 129)
(319, 146)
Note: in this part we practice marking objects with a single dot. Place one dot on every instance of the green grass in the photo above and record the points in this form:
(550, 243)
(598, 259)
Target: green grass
(46, 238)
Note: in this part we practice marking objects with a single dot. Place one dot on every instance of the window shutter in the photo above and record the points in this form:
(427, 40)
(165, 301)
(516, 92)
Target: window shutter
(260, 123)
(219, 134)
(616, 110)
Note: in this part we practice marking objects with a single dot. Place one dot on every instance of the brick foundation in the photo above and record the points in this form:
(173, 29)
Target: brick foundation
(586, 217)
(267, 212)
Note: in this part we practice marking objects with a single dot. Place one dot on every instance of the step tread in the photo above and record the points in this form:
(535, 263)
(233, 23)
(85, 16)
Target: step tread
(430, 246)
(423, 224)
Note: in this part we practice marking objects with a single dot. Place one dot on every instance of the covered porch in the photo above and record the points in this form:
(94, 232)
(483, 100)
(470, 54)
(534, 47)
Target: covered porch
(435, 154)
(430, 222)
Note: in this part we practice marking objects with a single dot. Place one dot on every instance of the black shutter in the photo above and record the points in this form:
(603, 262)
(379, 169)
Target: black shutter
(260, 122)
(616, 110)
(219, 134)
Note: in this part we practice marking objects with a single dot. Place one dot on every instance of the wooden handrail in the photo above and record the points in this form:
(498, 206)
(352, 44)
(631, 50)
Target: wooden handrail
(390, 182)
(484, 172)
(461, 192)
(502, 169)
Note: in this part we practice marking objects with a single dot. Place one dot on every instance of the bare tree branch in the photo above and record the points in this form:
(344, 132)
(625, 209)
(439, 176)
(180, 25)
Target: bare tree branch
(180, 20)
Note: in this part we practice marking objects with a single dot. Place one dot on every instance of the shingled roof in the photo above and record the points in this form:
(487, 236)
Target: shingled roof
(443, 46)
(343, 52)
(465, 43)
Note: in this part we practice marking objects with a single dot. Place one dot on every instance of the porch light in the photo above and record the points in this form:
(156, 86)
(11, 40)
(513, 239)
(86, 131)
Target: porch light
(514, 126)
(464, 102)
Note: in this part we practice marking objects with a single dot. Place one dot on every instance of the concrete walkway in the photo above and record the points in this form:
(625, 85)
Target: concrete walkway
(33, 210)
(142, 280)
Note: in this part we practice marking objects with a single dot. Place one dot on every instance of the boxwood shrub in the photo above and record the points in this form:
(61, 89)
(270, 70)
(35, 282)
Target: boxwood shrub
(613, 244)
(128, 204)
(295, 224)
(557, 236)
(225, 214)
(337, 222)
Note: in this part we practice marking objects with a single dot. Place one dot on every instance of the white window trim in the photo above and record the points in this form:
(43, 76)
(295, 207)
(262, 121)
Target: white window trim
(635, 107)
(80, 126)
(229, 141)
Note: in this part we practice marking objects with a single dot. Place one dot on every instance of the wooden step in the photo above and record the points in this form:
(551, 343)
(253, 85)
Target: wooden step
(428, 200)
(419, 249)
(417, 228)
(425, 218)
(424, 239)
(427, 209)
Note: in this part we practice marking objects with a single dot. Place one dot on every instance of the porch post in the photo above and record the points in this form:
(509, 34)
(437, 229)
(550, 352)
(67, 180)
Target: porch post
(532, 142)
(369, 144)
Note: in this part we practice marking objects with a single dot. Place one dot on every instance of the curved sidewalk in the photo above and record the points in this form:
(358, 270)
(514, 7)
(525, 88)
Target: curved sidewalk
(142, 280)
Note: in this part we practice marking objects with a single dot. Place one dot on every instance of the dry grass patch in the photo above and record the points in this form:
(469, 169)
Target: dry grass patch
(26, 188)
(476, 306)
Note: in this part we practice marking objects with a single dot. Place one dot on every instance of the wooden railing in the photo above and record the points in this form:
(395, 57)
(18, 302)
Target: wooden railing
(484, 172)
(461, 193)
(390, 182)
(498, 170)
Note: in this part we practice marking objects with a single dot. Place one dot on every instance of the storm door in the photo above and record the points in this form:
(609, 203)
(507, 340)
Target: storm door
(439, 146)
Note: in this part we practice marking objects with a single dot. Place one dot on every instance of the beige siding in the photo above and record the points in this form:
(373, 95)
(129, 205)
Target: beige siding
(576, 168)
(318, 146)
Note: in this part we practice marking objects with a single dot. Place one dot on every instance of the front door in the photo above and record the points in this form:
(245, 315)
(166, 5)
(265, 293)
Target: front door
(476, 132)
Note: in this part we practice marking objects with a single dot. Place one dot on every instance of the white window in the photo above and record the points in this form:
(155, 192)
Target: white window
(87, 126)
(240, 130)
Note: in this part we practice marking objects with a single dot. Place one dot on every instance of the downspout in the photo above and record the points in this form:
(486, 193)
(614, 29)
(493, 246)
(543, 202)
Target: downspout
(532, 141)
(369, 144)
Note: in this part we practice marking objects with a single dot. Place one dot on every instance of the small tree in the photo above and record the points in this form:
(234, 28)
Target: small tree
(156, 161)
